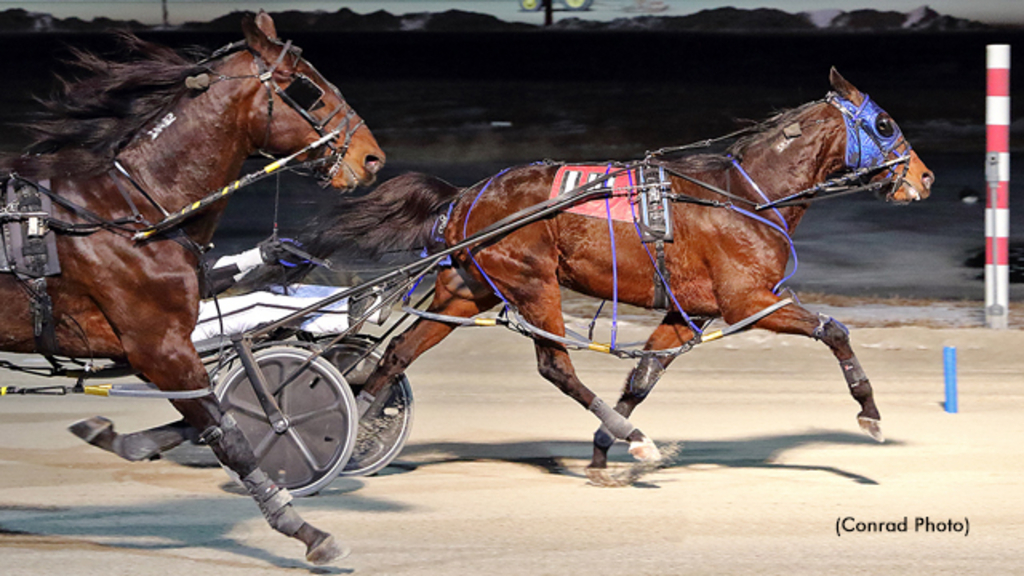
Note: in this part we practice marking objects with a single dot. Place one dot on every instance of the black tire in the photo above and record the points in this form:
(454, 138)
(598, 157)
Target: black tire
(381, 437)
(320, 409)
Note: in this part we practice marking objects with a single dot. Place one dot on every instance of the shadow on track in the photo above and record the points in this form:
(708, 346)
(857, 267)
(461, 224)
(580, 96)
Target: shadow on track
(146, 529)
(554, 457)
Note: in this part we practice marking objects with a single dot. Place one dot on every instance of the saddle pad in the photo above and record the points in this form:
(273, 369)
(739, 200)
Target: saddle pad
(569, 178)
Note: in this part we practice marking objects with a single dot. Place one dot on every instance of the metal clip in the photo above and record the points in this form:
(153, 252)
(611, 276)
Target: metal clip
(36, 227)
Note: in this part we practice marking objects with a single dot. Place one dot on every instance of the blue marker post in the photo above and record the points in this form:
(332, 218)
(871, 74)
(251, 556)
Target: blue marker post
(949, 361)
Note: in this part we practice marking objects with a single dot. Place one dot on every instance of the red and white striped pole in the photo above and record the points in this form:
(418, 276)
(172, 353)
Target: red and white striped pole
(997, 176)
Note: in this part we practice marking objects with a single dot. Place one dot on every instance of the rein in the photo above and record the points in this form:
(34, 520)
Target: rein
(129, 225)
(866, 167)
(189, 210)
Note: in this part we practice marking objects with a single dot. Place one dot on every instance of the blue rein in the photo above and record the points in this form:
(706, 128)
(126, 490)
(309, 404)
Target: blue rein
(871, 137)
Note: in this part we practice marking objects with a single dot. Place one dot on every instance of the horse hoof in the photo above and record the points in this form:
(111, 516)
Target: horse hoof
(871, 427)
(602, 478)
(98, 431)
(645, 450)
(325, 551)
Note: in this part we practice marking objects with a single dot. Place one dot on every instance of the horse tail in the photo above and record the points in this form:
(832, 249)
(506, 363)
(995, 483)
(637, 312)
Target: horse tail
(399, 215)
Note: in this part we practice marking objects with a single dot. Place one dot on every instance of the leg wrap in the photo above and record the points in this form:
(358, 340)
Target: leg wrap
(274, 502)
(831, 331)
(603, 439)
(644, 376)
(612, 420)
(853, 373)
(231, 448)
(363, 402)
(857, 380)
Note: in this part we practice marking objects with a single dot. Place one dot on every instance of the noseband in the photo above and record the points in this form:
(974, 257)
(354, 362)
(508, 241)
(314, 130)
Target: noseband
(871, 138)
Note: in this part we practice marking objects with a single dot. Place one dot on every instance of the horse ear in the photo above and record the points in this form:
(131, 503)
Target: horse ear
(266, 25)
(261, 35)
(844, 88)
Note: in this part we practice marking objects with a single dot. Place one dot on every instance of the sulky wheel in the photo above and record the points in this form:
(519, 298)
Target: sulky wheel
(381, 435)
(320, 409)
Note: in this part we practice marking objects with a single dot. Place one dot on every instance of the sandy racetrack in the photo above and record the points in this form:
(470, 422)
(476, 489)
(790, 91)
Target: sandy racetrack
(769, 460)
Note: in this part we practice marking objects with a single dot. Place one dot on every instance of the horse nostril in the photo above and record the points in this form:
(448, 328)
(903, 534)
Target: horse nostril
(927, 180)
(373, 164)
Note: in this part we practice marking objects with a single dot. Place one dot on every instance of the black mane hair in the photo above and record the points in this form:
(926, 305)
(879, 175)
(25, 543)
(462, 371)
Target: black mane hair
(399, 215)
(89, 120)
(760, 133)
(768, 129)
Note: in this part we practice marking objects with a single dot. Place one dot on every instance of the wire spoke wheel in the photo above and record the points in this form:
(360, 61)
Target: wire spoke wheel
(320, 409)
(382, 434)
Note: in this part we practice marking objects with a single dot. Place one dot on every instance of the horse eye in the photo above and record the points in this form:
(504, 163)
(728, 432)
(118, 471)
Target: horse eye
(884, 127)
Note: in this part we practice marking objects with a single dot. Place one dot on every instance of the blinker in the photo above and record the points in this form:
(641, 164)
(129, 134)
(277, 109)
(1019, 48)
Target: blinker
(304, 93)
(871, 135)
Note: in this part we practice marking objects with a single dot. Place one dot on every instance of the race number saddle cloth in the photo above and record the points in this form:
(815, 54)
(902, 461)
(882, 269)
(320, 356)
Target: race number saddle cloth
(28, 247)
(570, 178)
(640, 194)
(238, 314)
(645, 185)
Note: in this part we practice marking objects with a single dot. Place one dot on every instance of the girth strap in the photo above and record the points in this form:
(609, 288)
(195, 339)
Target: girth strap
(661, 278)
(44, 328)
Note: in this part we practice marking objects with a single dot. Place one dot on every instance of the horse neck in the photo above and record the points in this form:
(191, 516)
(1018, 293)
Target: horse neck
(201, 150)
(782, 166)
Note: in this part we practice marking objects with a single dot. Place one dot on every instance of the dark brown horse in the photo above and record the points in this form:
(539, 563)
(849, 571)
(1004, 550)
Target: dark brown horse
(725, 261)
(145, 136)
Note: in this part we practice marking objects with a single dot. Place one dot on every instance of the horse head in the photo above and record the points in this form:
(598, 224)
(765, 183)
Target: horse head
(302, 107)
(874, 141)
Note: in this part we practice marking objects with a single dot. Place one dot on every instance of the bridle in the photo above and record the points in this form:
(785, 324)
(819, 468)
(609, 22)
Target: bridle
(301, 94)
(306, 98)
(871, 138)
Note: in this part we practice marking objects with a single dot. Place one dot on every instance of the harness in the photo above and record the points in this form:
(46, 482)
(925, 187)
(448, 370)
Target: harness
(28, 249)
(655, 224)
(28, 227)
(868, 133)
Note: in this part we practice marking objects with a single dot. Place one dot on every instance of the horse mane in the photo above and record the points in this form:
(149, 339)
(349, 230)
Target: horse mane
(761, 133)
(767, 130)
(89, 120)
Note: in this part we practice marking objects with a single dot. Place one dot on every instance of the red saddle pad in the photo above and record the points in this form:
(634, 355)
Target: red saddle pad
(569, 178)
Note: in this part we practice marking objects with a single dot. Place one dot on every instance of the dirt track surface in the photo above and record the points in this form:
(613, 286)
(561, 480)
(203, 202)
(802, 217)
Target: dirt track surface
(764, 459)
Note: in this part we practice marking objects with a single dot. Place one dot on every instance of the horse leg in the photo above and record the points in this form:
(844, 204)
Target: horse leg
(544, 311)
(794, 319)
(671, 333)
(453, 297)
(141, 445)
(168, 360)
(220, 432)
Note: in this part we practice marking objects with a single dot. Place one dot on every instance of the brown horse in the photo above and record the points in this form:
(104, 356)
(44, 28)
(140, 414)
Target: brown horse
(134, 140)
(725, 261)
